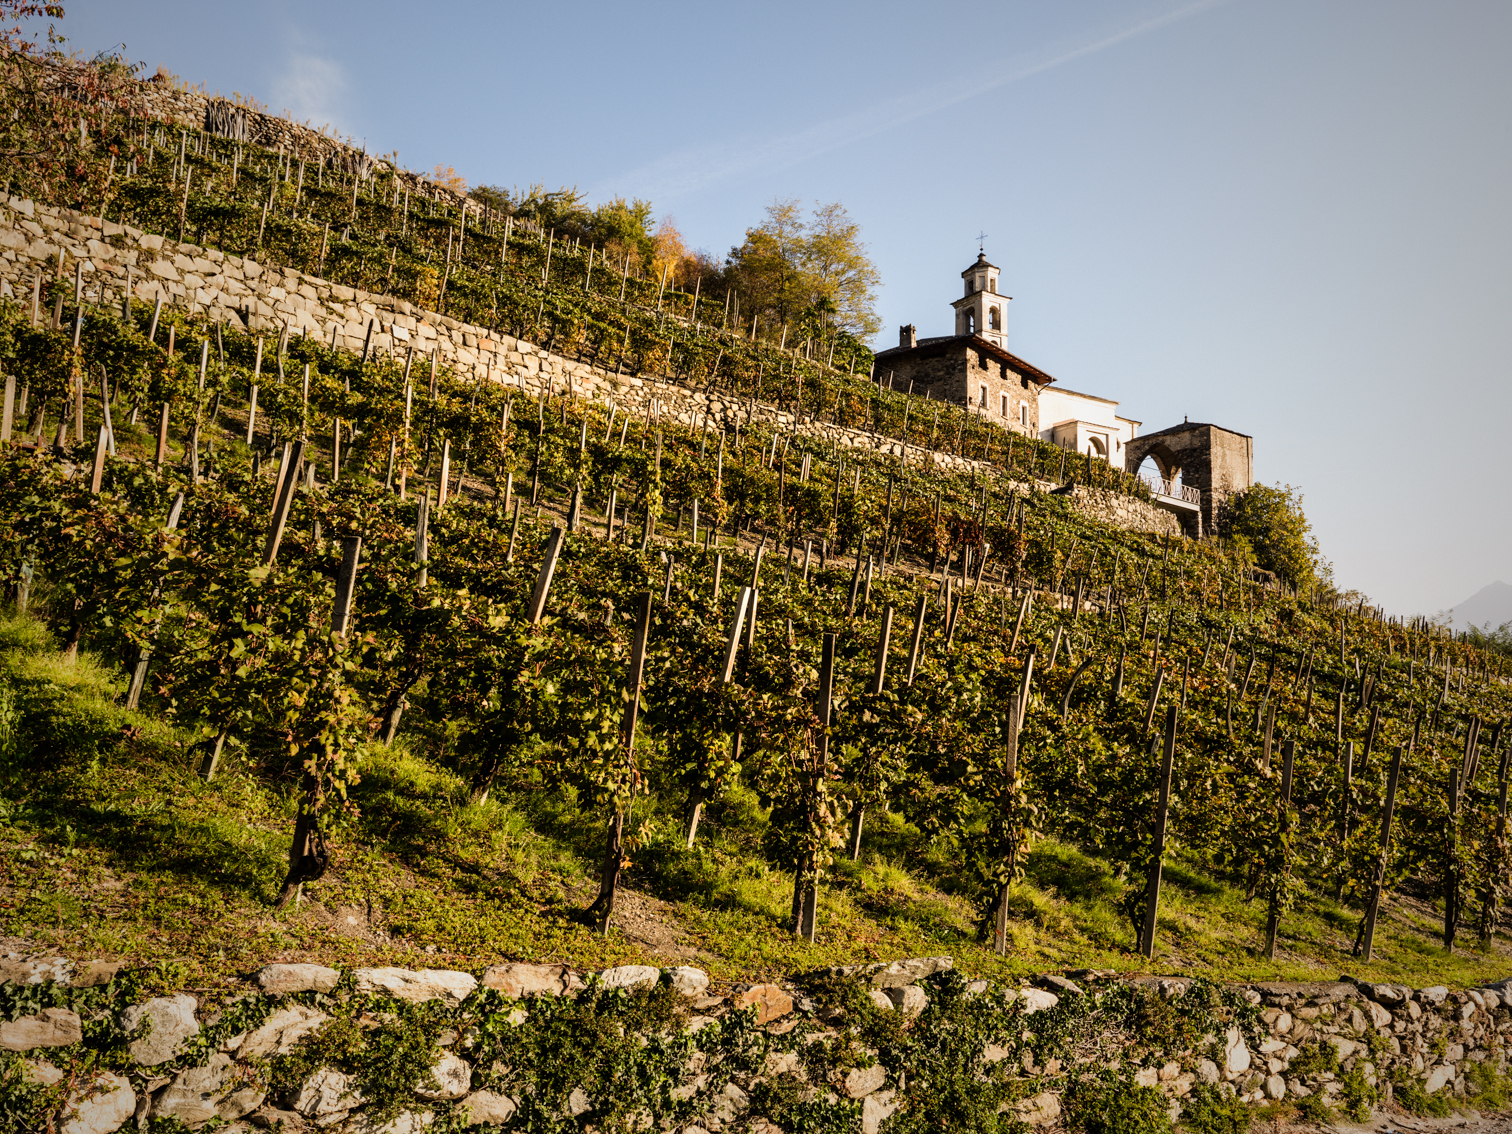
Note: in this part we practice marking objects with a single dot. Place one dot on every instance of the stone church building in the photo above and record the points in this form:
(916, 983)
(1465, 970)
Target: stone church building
(1199, 465)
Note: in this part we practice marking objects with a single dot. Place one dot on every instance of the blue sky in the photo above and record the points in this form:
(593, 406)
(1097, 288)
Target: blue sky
(1288, 217)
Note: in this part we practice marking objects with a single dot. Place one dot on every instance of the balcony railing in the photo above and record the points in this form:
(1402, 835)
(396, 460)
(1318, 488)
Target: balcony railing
(1164, 487)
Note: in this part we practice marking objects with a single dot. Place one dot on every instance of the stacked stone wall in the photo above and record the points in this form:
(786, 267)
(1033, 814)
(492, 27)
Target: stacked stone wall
(116, 1055)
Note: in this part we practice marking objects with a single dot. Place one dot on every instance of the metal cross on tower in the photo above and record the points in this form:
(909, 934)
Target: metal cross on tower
(982, 242)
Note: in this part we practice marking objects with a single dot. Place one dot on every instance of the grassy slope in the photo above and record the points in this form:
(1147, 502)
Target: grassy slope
(116, 848)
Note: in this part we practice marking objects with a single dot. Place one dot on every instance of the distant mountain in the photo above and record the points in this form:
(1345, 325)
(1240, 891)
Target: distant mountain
(1491, 604)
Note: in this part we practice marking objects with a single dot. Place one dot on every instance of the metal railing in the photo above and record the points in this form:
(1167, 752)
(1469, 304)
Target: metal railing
(1164, 487)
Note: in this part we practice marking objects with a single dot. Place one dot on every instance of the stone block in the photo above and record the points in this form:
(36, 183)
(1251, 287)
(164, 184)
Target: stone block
(521, 980)
(630, 976)
(51, 1027)
(417, 985)
(862, 1081)
(453, 1076)
(880, 999)
(326, 1092)
(770, 1002)
(488, 1108)
(280, 980)
(1436, 1080)
(171, 1022)
(1275, 1087)
(1037, 1000)
(35, 970)
(278, 1034)
(99, 1105)
(911, 1000)
(688, 981)
(196, 1094)
(1236, 1056)
(1041, 1110)
(1433, 995)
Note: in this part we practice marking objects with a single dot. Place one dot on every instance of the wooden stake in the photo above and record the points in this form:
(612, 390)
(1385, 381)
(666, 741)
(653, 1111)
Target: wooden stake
(1365, 941)
(543, 581)
(1162, 815)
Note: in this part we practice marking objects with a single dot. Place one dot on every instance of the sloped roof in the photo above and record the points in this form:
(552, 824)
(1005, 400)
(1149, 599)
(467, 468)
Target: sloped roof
(940, 343)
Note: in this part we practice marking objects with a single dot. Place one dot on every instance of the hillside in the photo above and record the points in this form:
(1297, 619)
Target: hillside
(447, 727)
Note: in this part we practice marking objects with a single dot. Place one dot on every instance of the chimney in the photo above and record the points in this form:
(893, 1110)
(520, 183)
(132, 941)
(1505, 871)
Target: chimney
(908, 336)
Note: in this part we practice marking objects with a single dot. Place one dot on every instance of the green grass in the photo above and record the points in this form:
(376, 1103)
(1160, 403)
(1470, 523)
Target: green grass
(111, 845)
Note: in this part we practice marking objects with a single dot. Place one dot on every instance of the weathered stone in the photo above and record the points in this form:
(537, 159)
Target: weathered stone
(98, 1106)
(453, 1077)
(35, 970)
(1041, 1110)
(864, 1080)
(1441, 1075)
(326, 1092)
(1236, 1056)
(92, 974)
(488, 1108)
(1275, 1087)
(1285, 993)
(1435, 994)
(1207, 1071)
(280, 980)
(770, 1001)
(688, 981)
(880, 999)
(578, 1102)
(1147, 1076)
(240, 1102)
(1037, 1000)
(279, 1033)
(523, 980)
(910, 999)
(172, 1022)
(1057, 984)
(1379, 1017)
(417, 984)
(195, 1094)
(631, 976)
(877, 1109)
(51, 1027)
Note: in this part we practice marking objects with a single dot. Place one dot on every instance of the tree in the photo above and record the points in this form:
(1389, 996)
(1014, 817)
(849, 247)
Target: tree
(448, 178)
(623, 228)
(809, 272)
(1266, 523)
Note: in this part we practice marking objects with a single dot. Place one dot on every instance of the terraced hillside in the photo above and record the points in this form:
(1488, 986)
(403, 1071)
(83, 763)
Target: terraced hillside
(828, 645)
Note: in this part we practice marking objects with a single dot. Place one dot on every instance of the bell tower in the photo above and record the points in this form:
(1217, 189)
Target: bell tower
(981, 310)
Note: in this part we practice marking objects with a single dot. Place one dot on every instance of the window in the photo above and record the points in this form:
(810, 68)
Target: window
(1024, 414)
(982, 401)
(992, 286)
(993, 320)
(970, 322)
(1005, 405)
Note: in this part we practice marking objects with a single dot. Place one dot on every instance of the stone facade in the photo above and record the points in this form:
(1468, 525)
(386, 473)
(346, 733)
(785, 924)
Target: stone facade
(967, 370)
(1217, 461)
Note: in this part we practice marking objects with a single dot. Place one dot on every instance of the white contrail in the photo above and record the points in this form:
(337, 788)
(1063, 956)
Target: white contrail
(679, 174)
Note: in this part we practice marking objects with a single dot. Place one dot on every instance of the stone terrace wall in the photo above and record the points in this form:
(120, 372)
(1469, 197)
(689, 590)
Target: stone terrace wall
(267, 299)
(1350, 1043)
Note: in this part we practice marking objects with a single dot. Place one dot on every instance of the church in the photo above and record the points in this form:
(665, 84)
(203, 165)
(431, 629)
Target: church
(1198, 464)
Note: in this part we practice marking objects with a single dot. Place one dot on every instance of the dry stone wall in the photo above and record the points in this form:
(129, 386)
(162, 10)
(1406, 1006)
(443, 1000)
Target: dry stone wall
(37, 240)
(1352, 1045)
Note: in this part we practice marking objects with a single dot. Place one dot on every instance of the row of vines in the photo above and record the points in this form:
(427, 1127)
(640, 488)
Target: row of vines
(547, 588)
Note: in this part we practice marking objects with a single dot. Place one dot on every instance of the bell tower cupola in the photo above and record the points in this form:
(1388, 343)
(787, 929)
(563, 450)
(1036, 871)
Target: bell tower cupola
(981, 310)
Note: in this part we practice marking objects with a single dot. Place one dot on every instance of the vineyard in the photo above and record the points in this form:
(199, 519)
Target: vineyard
(296, 630)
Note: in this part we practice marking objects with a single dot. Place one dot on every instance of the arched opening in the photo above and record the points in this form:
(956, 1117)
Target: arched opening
(1161, 473)
(993, 319)
(970, 323)
(1098, 448)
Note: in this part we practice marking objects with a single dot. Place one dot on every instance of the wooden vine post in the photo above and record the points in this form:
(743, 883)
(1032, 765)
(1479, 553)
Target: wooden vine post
(1364, 946)
(1162, 815)
(806, 872)
(602, 909)
(1273, 920)
(879, 679)
(1010, 775)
